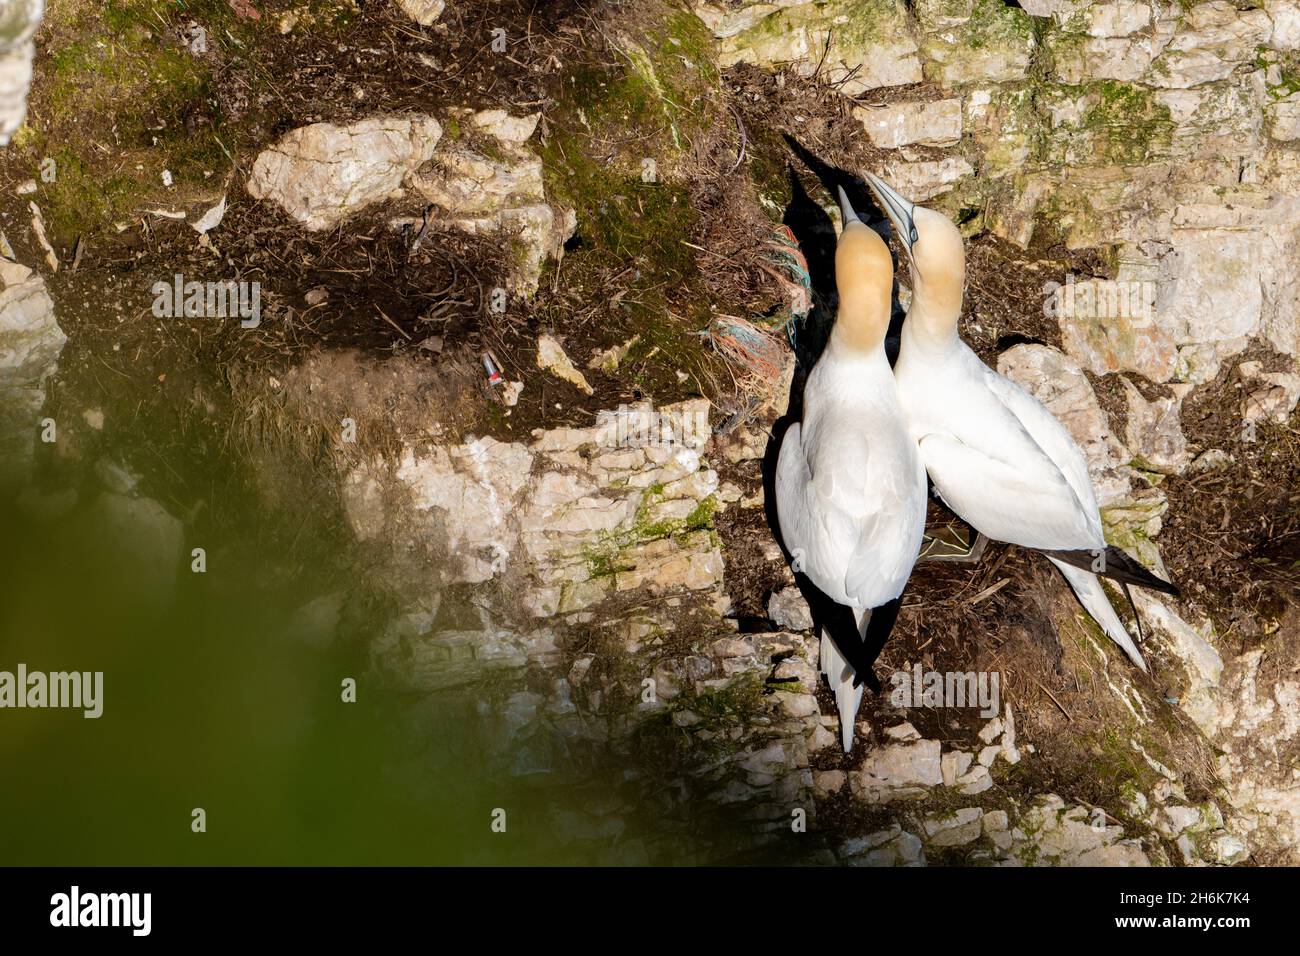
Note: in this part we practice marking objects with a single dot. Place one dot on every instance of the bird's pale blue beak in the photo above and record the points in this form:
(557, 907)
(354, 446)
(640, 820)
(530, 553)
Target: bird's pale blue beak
(847, 212)
(898, 209)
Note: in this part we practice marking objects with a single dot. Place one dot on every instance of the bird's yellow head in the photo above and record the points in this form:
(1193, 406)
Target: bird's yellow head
(864, 277)
(935, 252)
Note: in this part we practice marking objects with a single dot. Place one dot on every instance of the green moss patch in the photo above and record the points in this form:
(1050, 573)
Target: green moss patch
(604, 559)
(120, 97)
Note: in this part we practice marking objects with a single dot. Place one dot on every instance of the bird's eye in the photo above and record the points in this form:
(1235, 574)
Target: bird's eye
(915, 237)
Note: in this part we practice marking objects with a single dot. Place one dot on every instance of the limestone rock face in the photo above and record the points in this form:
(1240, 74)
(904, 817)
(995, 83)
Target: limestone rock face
(1272, 395)
(1254, 722)
(1043, 831)
(1213, 40)
(30, 343)
(935, 123)
(788, 609)
(866, 46)
(572, 517)
(1052, 834)
(483, 181)
(423, 12)
(1227, 279)
(1131, 508)
(30, 338)
(1159, 135)
(1112, 326)
(19, 20)
(1194, 648)
(899, 772)
(1218, 281)
(1061, 9)
(1285, 16)
(494, 186)
(1283, 118)
(321, 174)
(925, 179)
(1162, 132)
(956, 829)
(1154, 432)
(469, 182)
(994, 43)
(891, 847)
(552, 357)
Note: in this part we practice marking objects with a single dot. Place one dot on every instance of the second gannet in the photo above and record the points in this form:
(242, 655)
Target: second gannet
(850, 487)
(998, 458)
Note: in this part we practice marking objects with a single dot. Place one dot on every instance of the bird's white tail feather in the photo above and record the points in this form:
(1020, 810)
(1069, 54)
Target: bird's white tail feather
(839, 674)
(1087, 586)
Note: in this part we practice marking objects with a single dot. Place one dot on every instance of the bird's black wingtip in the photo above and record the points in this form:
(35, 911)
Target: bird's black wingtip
(869, 678)
(1153, 583)
(1118, 566)
(1159, 585)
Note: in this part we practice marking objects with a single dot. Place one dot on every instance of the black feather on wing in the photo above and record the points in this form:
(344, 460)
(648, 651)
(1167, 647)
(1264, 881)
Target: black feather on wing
(1117, 566)
(841, 625)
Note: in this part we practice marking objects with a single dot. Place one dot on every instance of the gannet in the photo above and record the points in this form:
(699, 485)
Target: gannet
(850, 486)
(997, 457)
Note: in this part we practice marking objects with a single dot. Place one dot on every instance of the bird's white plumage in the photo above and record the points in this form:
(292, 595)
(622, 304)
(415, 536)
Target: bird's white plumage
(1003, 463)
(839, 675)
(850, 496)
(1092, 595)
(850, 486)
(997, 457)
(1057, 443)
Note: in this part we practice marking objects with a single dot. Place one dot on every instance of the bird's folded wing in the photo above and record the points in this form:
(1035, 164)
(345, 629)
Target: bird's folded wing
(1028, 503)
(836, 500)
(851, 530)
(1052, 437)
(888, 540)
(799, 525)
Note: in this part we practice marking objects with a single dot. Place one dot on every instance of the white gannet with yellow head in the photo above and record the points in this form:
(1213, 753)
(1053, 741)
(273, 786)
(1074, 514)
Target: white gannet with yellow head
(997, 457)
(850, 487)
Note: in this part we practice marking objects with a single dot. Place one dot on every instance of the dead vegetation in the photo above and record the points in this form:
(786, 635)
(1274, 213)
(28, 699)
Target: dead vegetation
(1231, 535)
